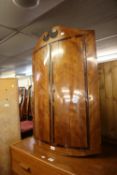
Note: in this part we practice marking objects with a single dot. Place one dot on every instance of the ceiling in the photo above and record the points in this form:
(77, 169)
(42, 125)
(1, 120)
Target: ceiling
(21, 27)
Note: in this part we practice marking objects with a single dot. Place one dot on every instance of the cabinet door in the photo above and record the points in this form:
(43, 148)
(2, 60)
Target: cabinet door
(41, 96)
(69, 93)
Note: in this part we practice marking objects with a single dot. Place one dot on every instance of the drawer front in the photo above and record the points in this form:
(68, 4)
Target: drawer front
(24, 164)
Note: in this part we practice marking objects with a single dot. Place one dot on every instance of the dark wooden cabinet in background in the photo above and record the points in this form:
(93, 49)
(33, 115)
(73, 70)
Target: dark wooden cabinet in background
(108, 100)
(66, 97)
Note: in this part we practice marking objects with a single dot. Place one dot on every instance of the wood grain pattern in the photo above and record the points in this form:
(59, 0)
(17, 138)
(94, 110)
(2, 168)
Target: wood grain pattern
(114, 92)
(66, 96)
(25, 164)
(108, 98)
(102, 99)
(69, 93)
(35, 156)
(93, 92)
(41, 95)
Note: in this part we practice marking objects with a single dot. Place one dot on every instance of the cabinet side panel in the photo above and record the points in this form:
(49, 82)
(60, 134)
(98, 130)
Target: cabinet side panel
(41, 95)
(93, 92)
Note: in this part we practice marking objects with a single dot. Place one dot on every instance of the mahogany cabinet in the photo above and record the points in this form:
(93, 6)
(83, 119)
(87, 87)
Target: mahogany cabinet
(108, 100)
(66, 97)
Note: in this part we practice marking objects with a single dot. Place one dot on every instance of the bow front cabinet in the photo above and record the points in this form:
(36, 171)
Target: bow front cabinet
(66, 97)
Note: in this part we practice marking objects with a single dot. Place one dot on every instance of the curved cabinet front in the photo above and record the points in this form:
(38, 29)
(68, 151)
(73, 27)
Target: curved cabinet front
(61, 94)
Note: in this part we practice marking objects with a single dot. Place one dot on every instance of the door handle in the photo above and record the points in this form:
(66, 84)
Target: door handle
(25, 167)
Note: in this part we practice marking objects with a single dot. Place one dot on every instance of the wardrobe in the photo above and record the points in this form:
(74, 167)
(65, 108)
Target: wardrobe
(66, 93)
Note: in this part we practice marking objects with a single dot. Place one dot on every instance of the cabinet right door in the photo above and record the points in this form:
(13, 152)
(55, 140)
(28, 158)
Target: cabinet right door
(70, 100)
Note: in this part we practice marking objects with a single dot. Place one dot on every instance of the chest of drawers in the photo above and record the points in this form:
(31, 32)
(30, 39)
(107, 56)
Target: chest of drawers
(29, 157)
(28, 160)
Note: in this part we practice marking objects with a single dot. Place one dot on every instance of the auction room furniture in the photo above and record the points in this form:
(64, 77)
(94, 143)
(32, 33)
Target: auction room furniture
(108, 100)
(65, 108)
(66, 97)
(30, 157)
(25, 108)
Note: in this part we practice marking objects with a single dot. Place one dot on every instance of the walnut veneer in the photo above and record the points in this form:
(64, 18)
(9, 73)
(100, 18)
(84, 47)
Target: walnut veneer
(108, 99)
(66, 98)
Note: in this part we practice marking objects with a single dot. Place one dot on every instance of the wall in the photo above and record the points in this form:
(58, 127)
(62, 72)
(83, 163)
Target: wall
(108, 99)
(9, 121)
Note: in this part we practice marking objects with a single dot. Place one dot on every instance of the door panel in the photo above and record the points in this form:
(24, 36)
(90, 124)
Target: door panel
(41, 99)
(69, 93)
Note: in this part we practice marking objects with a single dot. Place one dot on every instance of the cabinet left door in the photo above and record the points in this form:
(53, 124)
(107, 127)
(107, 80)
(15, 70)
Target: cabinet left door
(41, 99)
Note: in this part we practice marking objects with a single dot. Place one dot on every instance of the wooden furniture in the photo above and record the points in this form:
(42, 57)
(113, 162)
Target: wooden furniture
(23, 103)
(29, 157)
(9, 121)
(108, 99)
(66, 98)
(25, 108)
(29, 102)
(26, 128)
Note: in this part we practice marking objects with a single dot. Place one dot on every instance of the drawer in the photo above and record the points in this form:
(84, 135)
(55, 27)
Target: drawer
(25, 164)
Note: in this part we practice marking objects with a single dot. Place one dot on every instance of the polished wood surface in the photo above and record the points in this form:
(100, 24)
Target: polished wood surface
(108, 99)
(31, 157)
(41, 96)
(66, 97)
(69, 93)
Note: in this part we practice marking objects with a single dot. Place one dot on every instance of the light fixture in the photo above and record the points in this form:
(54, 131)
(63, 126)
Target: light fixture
(26, 3)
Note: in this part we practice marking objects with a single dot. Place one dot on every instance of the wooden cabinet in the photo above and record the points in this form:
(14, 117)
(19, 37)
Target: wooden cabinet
(108, 99)
(24, 164)
(66, 99)
(26, 159)
(30, 157)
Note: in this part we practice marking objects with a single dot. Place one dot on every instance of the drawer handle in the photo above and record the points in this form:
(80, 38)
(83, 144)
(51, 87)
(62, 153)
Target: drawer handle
(25, 167)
